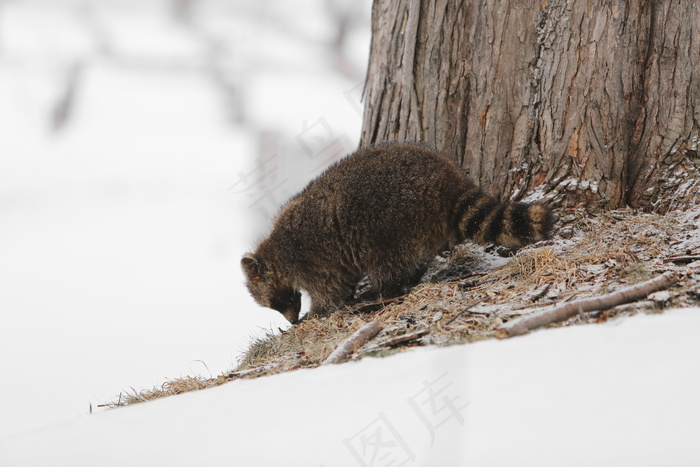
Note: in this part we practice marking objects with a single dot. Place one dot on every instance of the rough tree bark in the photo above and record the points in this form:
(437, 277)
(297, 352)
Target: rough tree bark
(593, 102)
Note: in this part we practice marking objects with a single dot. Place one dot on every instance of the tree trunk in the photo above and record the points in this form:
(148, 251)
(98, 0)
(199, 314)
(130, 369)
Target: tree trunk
(588, 102)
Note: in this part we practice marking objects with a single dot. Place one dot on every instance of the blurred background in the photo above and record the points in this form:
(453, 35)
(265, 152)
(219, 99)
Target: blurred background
(144, 146)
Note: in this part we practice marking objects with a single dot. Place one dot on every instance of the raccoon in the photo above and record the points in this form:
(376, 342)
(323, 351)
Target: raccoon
(382, 212)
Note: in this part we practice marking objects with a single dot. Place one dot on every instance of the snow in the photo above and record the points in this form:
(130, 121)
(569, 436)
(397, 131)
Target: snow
(125, 129)
(118, 254)
(620, 393)
(661, 296)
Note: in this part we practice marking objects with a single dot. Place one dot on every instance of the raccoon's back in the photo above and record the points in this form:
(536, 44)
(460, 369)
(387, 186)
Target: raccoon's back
(387, 194)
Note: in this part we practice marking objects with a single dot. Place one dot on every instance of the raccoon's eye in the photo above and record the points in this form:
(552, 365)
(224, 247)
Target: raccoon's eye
(282, 300)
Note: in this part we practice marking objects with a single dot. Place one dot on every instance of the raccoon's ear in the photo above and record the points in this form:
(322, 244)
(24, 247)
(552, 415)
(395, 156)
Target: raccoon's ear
(251, 267)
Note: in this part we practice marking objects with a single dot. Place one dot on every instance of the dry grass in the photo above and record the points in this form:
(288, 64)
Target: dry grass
(169, 388)
(606, 252)
(533, 268)
(308, 343)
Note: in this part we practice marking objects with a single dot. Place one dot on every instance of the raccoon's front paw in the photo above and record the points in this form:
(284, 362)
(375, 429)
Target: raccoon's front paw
(319, 310)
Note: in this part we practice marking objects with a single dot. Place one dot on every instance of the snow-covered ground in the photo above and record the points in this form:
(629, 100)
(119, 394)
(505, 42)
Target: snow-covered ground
(620, 393)
(143, 146)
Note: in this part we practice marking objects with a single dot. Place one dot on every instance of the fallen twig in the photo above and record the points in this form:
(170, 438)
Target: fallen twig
(683, 259)
(368, 307)
(354, 342)
(539, 293)
(633, 306)
(472, 304)
(250, 371)
(394, 341)
(564, 311)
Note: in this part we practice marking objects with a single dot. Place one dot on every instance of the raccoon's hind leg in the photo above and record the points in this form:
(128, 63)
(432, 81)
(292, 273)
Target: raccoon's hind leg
(388, 284)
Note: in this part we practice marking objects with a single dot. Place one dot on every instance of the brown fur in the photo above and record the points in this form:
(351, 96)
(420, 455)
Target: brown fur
(382, 212)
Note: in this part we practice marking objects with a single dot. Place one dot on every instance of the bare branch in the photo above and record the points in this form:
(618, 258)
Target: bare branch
(539, 293)
(683, 259)
(354, 342)
(564, 311)
(402, 339)
(472, 304)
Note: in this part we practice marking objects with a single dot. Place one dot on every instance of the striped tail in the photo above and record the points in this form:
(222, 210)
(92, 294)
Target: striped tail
(484, 219)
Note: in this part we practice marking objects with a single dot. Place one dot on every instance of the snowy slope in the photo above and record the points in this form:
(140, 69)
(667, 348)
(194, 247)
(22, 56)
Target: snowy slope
(621, 393)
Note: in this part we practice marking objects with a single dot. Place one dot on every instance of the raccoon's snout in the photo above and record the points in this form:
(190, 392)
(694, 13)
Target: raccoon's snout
(291, 315)
(290, 307)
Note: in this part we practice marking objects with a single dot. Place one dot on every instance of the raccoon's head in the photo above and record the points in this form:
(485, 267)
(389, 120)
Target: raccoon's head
(268, 290)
